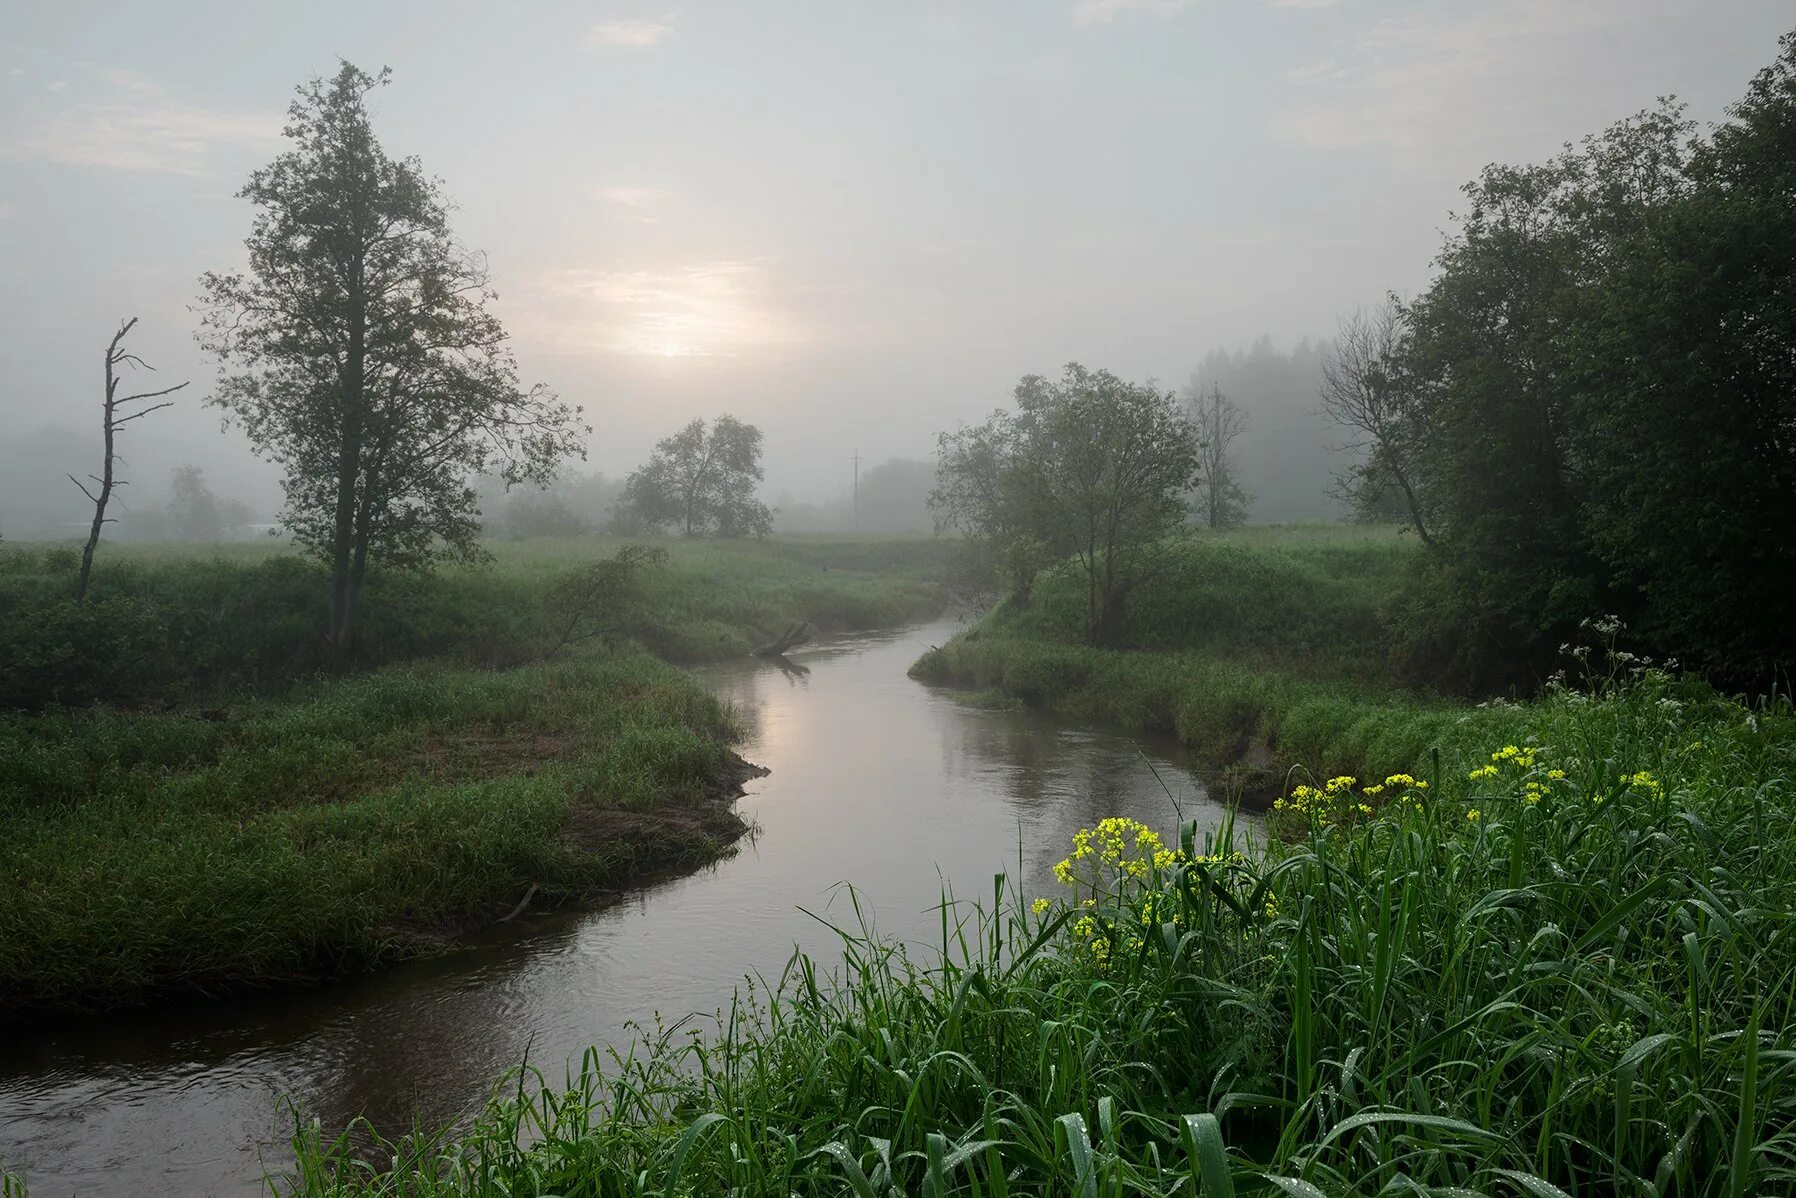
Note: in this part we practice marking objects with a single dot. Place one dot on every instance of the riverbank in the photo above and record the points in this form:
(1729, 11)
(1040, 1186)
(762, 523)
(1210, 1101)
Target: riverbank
(1561, 963)
(356, 821)
(1265, 651)
(230, 821)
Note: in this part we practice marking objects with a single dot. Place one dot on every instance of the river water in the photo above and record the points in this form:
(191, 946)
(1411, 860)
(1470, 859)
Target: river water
(877, 781)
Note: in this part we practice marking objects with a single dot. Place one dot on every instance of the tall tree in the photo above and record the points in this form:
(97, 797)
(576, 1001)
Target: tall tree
(114, 415)
(1683, 382)
(1219, 423)
(701, 480)
(1089, 466)
(358, 353)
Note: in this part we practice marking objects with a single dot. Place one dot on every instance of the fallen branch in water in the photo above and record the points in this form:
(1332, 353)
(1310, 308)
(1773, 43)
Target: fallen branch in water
(797, 634)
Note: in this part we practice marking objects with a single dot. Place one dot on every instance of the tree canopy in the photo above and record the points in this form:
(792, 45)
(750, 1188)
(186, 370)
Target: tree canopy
(702, 481)
(357, 352)
(1089, 466)
(1595, 399)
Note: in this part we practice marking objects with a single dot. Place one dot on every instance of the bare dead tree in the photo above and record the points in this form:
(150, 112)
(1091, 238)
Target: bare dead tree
(116, 416)
(1364, 391)
(1220, 423)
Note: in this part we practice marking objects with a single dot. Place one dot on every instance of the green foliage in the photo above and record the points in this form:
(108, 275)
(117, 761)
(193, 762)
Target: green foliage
(595, 602)
(1590, 992)
(360, 820)
(700, 481)
(1599, 397)
(170, 625)
(1260, 650)
(358, 354)
(1090, 466)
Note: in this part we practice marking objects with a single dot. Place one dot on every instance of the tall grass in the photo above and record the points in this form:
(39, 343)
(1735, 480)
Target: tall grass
(177, 623)
(355, 821)
(1586, 988)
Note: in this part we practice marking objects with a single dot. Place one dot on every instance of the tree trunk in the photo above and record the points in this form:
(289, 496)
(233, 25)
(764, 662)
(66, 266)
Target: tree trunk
(1415, 508)
(349, 465)
(105, 495)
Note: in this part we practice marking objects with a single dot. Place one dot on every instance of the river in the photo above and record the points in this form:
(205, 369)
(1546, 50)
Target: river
(877, 781)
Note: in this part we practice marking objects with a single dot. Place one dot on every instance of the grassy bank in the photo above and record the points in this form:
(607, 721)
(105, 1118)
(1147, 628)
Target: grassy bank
(1262, 650)
(357, 820)
(189, 806)
(1560, 965)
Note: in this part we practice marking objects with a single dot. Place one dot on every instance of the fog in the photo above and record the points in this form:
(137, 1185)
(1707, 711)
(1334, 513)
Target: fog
(854, 226)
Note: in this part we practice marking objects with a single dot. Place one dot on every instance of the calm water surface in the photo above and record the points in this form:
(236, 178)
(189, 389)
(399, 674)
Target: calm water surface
(877, 781)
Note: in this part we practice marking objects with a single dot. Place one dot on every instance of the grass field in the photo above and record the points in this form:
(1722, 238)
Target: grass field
(182, 623)
(189, 807)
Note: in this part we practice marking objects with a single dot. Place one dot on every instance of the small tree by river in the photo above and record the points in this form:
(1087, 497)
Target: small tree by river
(1090, 466)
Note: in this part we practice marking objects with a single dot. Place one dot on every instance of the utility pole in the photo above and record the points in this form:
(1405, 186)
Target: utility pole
(857, 490)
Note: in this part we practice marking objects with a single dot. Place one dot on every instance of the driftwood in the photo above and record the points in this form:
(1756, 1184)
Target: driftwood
(797, 634)
(792, 669)
(522, 903)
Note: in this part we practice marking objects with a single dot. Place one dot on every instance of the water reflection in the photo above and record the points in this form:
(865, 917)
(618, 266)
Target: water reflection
(877, 781)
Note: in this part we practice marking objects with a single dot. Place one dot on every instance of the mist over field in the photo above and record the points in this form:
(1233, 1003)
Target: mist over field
(852, 227)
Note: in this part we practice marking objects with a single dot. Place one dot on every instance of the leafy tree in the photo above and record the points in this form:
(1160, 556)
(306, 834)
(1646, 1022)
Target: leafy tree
(1682, 373)
(357, 352)
(1598, 399)
(1493, 405)
(701, 480)
(1220, 500)
(1089, 466)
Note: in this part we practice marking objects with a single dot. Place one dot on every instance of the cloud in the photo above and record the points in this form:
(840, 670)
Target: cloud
(6, 210)
(709, 309)
(633, 197)
(1420, 83)
(629, 33)
(1302, 3)
(134, 125)
(1103, 12)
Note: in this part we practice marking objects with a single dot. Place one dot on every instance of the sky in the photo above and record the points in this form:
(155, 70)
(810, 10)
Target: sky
(854, 224)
